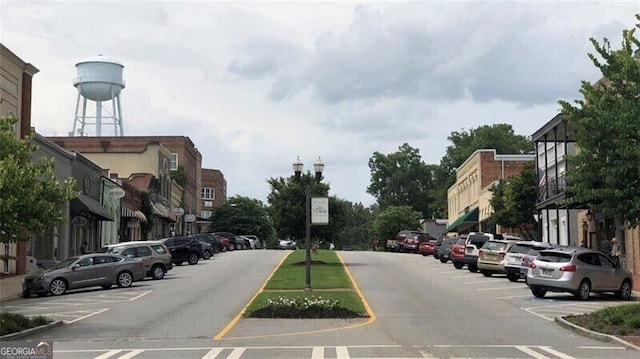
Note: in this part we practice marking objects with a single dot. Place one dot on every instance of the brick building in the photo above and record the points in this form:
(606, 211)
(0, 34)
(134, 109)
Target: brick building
(15, 101)
(213, 194)
(469, 198)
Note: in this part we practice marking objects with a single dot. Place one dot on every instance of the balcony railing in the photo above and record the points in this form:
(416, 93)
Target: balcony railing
(551, 188)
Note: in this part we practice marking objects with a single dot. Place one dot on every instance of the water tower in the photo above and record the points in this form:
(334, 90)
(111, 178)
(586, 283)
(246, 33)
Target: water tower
(99, 80)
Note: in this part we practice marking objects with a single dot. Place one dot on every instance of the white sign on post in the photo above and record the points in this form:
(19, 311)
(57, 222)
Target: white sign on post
(319, 210)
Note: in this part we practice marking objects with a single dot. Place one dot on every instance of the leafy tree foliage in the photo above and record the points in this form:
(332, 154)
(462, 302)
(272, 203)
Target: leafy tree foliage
(606, 171)
(392, 220)
(244, 215)
(287, 206)
(514, 202)
(356, 231)
(401, 179)
(29, 189)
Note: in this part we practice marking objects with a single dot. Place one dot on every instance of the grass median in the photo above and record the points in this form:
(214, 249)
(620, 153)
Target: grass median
(329, 281)
(615, 320)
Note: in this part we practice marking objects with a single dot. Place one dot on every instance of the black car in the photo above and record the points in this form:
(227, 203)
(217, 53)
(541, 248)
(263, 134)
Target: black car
(212, 239)
(444, 250)
(184, 249)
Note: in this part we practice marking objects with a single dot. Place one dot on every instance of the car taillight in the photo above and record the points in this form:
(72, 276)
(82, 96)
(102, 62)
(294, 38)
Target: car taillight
(481, 253)
(532, 265)
(502, 254)
(568, 268)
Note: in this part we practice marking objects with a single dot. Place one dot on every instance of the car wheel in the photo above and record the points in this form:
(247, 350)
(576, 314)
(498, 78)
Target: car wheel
(458, 265)
(625, 290)
(486, 273)
(442, 260)
(125, 279)
(193, 259)
(512, 277)
(157, 271)
(58, 286)
(538, 292)
(583, 290)
(106, 286)
(472, 268)
(232, 247)
(207, 255)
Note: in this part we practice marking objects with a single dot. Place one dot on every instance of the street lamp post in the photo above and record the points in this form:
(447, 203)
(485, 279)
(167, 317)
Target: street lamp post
(297, 169)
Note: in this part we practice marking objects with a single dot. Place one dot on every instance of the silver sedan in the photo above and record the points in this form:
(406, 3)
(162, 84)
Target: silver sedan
(88, 270)
(579, 271)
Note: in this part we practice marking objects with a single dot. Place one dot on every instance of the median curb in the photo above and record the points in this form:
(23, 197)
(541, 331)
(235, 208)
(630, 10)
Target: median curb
(594, 335)
(30, 331)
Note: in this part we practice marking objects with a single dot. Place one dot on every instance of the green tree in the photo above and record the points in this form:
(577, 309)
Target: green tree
(514, 202)
(401, 178)
(606, 170)
(392, 220)
(243, 215)
(500, 137)
(356, 231)
(29, 190)
(287, 205)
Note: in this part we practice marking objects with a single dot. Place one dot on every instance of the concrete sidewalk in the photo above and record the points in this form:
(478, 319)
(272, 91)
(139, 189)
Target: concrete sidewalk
(11, 287)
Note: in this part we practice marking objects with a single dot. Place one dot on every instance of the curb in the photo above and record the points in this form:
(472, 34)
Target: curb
(30, 331)
(594, 335)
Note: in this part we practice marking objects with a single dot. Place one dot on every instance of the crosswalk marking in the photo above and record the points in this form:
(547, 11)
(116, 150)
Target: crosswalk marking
(556, 353)
(212, 354)
(236, 353)
(317, 353)
(131, 354)
(531, 352)
(108, 354)
(342, 353)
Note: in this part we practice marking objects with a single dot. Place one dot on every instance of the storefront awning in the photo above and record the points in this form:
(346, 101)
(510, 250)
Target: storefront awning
(141, 216)
(161, 210)
(130, 213)
(469, 217)
(85, 203)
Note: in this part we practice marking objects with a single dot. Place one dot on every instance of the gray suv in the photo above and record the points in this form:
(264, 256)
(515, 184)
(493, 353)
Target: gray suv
(579, 271)
(154, 255)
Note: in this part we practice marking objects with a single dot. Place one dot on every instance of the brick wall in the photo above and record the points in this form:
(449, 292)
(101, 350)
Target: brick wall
(492, 169)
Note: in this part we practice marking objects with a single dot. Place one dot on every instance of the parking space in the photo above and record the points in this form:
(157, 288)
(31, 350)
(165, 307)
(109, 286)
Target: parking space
(76, 305)
(519, 294)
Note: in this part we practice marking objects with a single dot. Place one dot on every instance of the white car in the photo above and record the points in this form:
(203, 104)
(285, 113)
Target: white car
(287, 244)
(254, 242)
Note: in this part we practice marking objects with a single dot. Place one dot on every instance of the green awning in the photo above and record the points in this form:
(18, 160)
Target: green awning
(469, 217)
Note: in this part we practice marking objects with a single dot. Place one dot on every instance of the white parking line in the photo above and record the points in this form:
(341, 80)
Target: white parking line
(88, 315)
(515, 296)
(141, 295)
(497, 288)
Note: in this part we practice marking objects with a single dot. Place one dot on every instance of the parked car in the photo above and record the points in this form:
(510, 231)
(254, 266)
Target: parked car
(287, 244)
(412, 241)
(514, 260)
(579, 271)
(184, 249)
(426, 248)
(233, 242)
(89, 270)
(154, 255)
(457, 252)
(396, 244)
(475, 240)
(254, 241)
(444, 251)
(212, 239)
(243, 242)
(491, 256)
(207, 249)
(436, 248)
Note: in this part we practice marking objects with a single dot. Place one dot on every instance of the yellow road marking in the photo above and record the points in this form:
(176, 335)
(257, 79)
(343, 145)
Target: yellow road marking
(237, 318)
(365, 303)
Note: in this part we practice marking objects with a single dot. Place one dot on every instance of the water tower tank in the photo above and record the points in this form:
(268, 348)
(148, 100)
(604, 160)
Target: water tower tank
(99, 78)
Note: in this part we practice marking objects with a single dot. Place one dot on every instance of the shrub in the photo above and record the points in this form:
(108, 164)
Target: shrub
(13, 322)
(303, 307)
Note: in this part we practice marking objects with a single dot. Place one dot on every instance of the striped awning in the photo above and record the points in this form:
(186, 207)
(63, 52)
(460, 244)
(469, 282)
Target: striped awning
(129, 213)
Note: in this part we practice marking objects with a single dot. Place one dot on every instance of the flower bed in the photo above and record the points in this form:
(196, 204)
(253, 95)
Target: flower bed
(303, 307)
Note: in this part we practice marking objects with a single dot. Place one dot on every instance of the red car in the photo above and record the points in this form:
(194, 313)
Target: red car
(457, 252)
(426, 248)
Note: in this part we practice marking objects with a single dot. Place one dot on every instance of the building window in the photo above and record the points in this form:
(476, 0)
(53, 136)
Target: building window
(174, 162)
(208, 193)
(205, 214)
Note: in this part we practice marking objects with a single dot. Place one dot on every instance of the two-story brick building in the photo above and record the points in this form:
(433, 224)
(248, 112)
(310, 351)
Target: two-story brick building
(214, 194)
(469, 198)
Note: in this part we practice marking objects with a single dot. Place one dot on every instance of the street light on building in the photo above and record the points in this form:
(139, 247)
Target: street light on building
(318, 167)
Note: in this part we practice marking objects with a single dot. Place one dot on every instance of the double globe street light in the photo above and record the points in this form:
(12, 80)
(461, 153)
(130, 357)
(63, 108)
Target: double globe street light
(318, 167)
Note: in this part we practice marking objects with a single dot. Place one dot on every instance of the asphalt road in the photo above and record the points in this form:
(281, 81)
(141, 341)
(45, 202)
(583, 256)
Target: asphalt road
(422, 309)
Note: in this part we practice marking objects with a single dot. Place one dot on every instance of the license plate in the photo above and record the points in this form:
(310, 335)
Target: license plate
(546, 272)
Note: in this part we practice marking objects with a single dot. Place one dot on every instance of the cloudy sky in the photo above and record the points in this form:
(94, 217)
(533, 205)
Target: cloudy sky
(255, 84)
